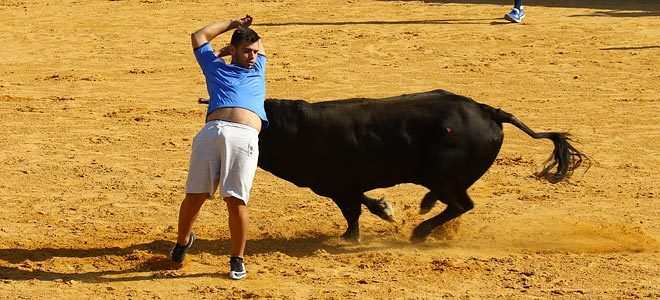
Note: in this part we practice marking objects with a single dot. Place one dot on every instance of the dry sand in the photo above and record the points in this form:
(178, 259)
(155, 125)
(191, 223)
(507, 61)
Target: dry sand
(98, 108)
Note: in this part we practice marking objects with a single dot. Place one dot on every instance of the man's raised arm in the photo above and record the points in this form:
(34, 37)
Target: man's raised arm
(209, 32)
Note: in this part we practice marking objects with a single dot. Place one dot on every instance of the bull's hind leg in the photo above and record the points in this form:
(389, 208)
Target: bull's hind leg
(351, 208)
(457, 204)
(428, 202)
(378, 207)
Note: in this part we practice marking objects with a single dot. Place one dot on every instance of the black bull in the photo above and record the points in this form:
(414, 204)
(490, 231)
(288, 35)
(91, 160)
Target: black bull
(442, 141)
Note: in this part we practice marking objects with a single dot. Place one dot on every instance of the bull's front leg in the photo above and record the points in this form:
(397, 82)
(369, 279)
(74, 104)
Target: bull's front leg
(350, 208)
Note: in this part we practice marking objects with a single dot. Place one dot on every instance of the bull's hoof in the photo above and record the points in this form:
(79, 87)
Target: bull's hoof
(427, 204)
(383, 210)
(419, 235)
(424, 210)
(351, 237)
(417, 240)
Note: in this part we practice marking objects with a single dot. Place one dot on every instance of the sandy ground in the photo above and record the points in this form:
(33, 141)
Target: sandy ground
(98, 109)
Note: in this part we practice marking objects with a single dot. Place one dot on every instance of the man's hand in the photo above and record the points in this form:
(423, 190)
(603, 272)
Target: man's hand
(242, 22)
(209, 32)
(245, 21)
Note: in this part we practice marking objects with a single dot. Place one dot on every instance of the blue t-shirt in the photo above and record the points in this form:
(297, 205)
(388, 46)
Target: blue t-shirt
(231, 85)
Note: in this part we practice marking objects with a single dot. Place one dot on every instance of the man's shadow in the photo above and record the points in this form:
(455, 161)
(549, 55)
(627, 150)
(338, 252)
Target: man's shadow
(152, 258)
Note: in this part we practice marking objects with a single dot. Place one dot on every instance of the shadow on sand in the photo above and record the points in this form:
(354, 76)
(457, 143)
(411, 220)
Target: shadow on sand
(618, 8)
(156, 264)
(641, 5)
(632, 48)
(377, 22)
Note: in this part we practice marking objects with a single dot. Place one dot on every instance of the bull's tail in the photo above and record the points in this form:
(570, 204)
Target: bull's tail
(564, 159)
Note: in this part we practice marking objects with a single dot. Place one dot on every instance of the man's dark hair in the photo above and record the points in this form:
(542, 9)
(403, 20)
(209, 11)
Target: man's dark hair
(244, 34)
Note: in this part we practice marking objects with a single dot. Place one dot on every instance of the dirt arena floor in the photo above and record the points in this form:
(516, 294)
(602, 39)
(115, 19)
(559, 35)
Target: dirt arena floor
(98, 109)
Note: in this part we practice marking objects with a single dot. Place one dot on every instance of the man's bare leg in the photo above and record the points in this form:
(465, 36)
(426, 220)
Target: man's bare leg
(238, 223)
(188, 214)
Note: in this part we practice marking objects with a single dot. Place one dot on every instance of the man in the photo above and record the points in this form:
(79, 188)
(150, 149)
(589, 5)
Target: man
(225, 151)
(517, 13)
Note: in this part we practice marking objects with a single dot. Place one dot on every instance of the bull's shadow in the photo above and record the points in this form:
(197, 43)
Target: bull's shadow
(296, 247)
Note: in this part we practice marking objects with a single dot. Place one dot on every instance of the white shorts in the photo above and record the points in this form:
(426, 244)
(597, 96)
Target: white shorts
(226, 154)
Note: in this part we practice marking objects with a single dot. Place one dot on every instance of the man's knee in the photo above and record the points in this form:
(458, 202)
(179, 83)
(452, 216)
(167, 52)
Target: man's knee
(233, 201)
(196, 197)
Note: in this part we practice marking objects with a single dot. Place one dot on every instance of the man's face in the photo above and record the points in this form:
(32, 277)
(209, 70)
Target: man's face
(245, 54)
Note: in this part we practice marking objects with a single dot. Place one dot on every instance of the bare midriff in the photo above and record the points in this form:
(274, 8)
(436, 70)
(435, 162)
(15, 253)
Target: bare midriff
(236, 115)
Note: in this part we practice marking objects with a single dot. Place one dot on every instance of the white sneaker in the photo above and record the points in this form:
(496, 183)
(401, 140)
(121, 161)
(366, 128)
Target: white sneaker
(515, 15)
(237, 268)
